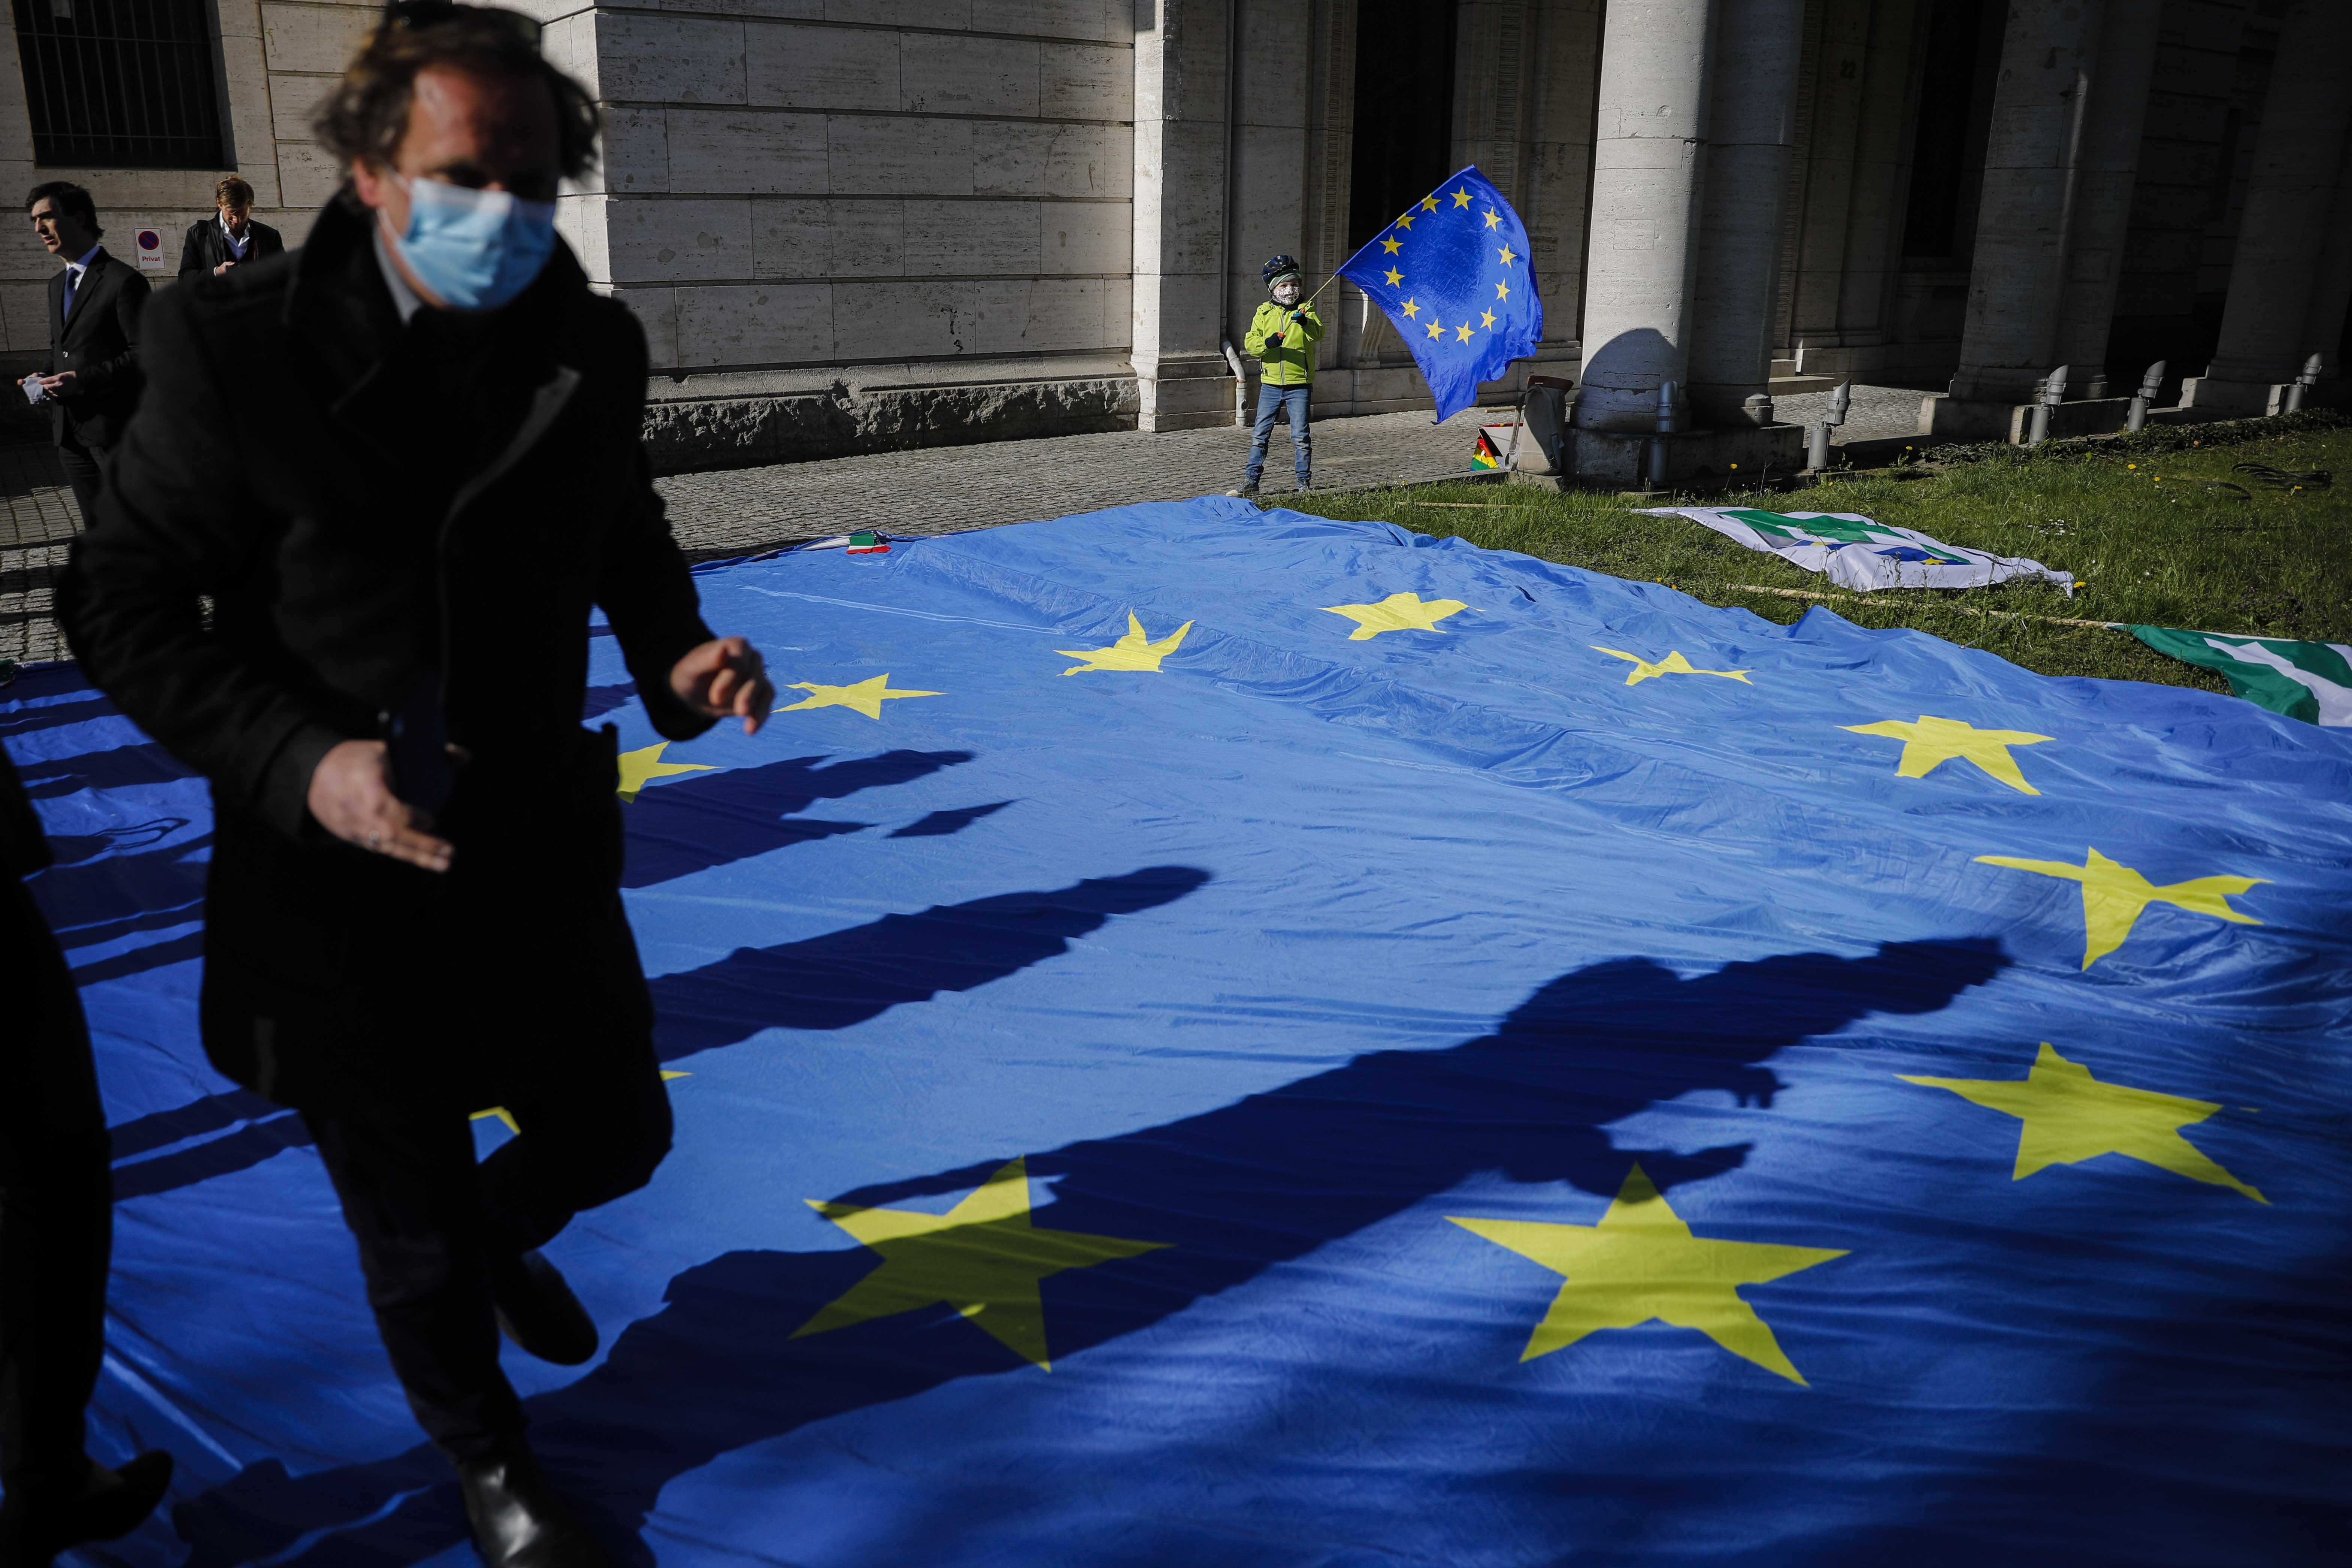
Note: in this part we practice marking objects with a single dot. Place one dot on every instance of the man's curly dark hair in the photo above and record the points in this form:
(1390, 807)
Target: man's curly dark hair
(366, 116)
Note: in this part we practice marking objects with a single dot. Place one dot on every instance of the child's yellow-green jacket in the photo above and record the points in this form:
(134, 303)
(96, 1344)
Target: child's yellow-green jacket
(1291, 363)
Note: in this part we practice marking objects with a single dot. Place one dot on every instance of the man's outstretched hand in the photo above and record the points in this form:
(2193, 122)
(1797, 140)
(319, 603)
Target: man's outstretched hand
(725, 676)
(350, 796)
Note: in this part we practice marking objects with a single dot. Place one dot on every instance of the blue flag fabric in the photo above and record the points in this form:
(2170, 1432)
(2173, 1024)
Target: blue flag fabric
(1212, 1036)
(1453, 274)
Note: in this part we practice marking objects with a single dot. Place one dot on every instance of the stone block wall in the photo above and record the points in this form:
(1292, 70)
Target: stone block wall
(801, 195)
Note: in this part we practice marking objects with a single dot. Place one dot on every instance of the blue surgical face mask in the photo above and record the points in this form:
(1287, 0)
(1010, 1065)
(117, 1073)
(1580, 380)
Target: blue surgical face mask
(474, 249)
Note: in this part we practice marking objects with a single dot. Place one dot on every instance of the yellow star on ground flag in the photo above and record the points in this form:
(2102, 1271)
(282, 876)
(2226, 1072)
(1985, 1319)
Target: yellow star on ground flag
(983, 1258)
(503, 1114)
(1397, 612)
(1642, 1263)
(2113, 894)
(2070, 1116)
(1673, 664)
(637, 767)
(866, 695)
(1132, 651)
(1394, 277)
(1931, 742)
(1462, 198)
(1391, 247)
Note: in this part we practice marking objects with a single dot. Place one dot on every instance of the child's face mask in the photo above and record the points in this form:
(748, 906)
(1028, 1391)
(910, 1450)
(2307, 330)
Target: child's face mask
(1286, 293)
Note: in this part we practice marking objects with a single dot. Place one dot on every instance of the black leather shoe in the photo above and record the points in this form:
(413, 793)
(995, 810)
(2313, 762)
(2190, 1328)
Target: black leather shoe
(538, 1311)
(518, 1522)
(115, 1503)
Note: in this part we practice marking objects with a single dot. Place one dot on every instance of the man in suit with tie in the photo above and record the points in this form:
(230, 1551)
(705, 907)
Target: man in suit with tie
(228, 239)
(91, 380)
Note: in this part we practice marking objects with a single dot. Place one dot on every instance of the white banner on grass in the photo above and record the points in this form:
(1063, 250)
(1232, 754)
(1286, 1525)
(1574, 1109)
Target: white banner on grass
(1859, 553)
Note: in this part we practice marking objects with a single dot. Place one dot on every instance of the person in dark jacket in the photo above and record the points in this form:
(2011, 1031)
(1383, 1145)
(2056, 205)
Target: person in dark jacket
(90, 380)
(432, 474)
(57, 1217)
(228, 238)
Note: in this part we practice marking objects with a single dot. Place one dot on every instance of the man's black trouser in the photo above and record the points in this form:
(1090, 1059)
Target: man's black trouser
(81, 465)
(429, 1220)
(56, 1210)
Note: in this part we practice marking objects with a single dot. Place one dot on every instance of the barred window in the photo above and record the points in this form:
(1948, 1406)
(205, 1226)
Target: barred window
(119, 84)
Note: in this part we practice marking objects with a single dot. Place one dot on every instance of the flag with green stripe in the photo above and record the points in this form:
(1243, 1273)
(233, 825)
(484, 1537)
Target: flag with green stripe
(2308, 680)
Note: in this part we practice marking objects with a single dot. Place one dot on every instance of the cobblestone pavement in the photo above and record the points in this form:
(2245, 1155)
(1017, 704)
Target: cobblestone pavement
(1875, 413)
(944, 488)
(39, 517)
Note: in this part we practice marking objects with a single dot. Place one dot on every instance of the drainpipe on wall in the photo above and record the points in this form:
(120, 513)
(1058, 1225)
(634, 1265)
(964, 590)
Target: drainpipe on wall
(1241, 382)
(1225, 192)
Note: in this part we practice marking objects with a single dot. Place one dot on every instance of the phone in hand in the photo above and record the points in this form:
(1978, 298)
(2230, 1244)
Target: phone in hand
(417, 739)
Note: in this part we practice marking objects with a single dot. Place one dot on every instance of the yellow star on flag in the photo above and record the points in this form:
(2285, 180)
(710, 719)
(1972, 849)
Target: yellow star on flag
(2070, 1116)
(1391, 247)
(1493, 217)
(1462, 198)
(1436, 329)
(983, 1258)
(1429, 204)
(1397, 612)
(1642, 1264)
(1507, 256)
(1487, 320)
(1502, 290)
(1130, 652)
(1405, 223)
(867, 697)
(638, 766)
(2114, 895)
(1931, 743)
(503, 1114)
(1461, 333)
(1394, 277)
(1673, 664)
(1411, 308)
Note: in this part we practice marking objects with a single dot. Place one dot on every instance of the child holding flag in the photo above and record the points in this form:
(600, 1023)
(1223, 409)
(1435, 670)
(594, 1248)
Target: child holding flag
(1283, 334)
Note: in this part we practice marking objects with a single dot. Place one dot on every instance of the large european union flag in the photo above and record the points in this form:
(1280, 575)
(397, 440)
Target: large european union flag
(1453, 275)
(1212, 1036)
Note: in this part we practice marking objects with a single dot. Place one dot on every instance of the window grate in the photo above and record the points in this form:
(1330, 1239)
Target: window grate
(119, 84)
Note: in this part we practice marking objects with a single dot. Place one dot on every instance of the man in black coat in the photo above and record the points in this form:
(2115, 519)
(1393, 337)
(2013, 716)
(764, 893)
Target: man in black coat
(90, 380)
(228, 238)
(56, 1216)
(403, 520)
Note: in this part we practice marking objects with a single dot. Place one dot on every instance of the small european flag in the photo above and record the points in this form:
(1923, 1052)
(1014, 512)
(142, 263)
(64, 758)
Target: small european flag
(1453, 273)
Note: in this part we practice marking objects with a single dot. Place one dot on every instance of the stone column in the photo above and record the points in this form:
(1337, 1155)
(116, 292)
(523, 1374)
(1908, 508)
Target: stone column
(1751, 140)
(2290, 199)
(1181, 378)
(2041, 117)
(2331, 289)
(1648, 159)
(2110, 170)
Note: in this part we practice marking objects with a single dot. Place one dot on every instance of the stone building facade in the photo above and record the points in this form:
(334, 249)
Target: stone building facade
(857, 223)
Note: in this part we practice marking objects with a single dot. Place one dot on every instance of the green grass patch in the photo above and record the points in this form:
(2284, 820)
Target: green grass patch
(2151, 535)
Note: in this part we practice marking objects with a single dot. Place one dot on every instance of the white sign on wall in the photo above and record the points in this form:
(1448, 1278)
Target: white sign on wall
(151, 251)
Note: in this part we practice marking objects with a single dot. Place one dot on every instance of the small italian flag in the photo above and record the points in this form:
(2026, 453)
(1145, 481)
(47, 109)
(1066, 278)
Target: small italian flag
(2308, 680)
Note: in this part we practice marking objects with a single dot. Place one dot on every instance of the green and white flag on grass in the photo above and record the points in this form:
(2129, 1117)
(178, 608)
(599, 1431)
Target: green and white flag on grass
(1859, 553)
(2309, 680)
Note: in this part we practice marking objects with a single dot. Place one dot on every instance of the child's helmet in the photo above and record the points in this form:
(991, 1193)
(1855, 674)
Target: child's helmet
(1274, 270)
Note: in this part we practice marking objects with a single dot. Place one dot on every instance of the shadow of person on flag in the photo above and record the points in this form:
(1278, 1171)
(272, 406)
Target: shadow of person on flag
(742, 1352)
(826, 982)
